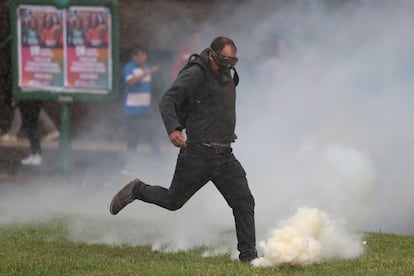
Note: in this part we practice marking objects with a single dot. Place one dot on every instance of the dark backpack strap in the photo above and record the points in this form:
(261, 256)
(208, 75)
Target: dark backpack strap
(187, 106)
(235, 77)
(192, 57)
(191, 60)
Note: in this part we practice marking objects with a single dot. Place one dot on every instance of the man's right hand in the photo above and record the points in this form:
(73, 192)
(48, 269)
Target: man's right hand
(177, 138)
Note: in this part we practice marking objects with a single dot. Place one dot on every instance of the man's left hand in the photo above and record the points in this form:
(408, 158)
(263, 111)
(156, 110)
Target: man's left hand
(177, 138)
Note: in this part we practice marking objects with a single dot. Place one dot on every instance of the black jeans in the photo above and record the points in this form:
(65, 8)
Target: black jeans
(198, 164)
(30, 114)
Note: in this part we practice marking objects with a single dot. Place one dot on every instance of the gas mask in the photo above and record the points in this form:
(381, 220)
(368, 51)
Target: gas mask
(225, 64)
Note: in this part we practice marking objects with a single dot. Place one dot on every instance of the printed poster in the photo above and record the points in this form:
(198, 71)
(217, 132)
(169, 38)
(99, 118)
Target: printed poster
(65, 50)
(41, 47)
(88, 61)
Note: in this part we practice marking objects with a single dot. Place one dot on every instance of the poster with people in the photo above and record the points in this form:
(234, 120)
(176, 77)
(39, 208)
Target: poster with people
(88, 48)
(41, 51)
(64, 50)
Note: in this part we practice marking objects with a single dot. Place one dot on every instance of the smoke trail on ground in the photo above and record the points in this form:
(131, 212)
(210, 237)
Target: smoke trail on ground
(80, 203)
(309, 236)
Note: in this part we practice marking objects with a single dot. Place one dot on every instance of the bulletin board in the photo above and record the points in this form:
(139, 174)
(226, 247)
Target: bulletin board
(65, 50)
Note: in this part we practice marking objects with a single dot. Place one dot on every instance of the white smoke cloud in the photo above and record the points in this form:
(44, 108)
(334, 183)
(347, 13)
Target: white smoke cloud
(324, 123)
(327, 124)
(309, 236)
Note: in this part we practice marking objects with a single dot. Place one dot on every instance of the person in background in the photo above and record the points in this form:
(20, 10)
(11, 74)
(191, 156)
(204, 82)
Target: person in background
(202, 101)
(137, 98)
(5, 58)
(45, 122)
(30, 116)
(193, 46)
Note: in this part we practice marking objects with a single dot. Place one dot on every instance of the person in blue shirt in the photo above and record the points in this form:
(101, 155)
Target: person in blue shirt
(137, 98)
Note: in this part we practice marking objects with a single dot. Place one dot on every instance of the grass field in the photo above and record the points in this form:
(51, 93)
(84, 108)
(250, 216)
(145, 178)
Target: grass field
(42, 249)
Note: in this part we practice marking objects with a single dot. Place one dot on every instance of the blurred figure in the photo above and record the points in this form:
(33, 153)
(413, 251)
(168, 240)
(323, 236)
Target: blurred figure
(11, 134)
(31, 35)
(278, 59)
(76, 34)
(193, 46)
(96, 34)
(45, 122)
(137, 99)
(5, 57)
(30, 116)
(51, 33)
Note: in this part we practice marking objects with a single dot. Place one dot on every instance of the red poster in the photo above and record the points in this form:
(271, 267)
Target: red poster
(41, 47)
(88, 49)
(65, 50)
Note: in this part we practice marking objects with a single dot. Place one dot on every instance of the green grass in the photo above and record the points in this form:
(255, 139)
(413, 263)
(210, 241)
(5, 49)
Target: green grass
(43, 249)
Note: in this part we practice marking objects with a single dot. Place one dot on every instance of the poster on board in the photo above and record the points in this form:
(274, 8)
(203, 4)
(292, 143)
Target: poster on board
(41, 47)
(64, 50)
(88, 49)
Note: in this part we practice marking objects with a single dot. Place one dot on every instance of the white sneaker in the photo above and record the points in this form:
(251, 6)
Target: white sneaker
(32, 159)
(51, 136)
(8, 138)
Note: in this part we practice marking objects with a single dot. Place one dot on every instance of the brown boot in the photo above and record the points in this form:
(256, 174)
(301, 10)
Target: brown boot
(123, 197)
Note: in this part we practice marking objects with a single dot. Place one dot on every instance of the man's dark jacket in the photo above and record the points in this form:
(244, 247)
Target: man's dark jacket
(200, 103)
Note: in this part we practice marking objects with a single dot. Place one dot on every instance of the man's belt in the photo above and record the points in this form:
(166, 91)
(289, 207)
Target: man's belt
(217, 145)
